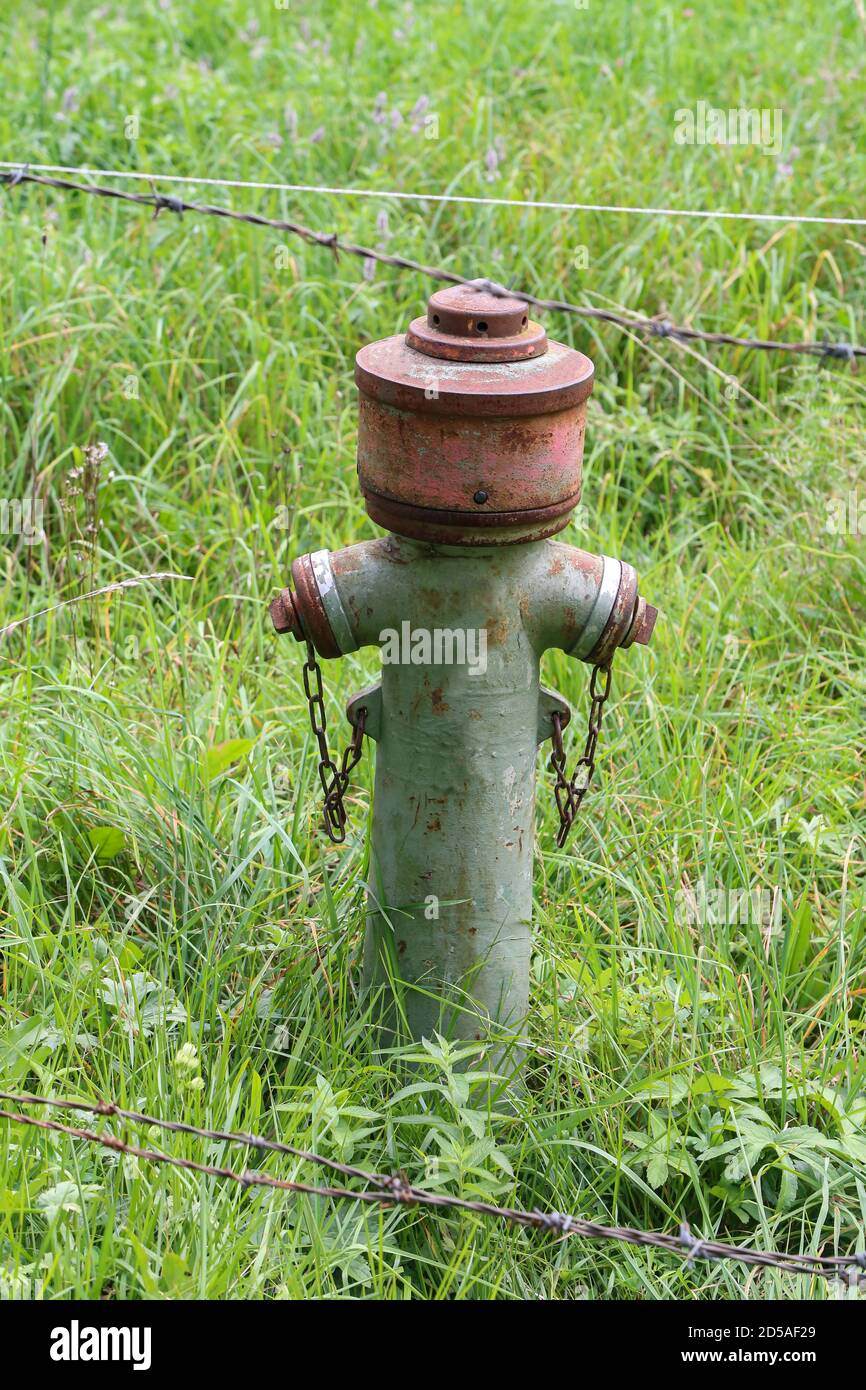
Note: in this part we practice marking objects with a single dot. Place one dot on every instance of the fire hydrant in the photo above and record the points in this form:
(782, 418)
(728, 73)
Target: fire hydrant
(470, 444)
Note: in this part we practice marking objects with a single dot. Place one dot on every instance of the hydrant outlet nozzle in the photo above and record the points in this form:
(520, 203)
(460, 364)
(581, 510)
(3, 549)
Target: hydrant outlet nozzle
(311, 611)
(619, 617)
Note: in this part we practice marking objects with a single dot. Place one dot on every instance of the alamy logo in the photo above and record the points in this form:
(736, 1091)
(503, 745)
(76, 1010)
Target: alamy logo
(439, 646)
(19, 1286)
(77, 1343)
(743, 125)
(708, 906)
(846, 516)
(22, 516)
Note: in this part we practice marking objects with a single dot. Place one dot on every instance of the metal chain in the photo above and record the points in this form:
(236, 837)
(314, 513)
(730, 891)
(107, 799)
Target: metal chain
(334, 779)
(569, 792)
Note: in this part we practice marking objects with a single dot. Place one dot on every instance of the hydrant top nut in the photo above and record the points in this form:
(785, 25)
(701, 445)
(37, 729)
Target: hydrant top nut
(468, 325)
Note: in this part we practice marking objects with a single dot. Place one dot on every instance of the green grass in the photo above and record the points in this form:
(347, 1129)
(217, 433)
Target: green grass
(681, 1070)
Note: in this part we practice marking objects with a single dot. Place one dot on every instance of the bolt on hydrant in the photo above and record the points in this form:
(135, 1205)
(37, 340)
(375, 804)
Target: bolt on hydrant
(469, 454)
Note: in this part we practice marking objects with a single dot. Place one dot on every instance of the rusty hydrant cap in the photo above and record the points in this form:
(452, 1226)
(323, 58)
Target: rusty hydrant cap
(477, 360)
(471, 423)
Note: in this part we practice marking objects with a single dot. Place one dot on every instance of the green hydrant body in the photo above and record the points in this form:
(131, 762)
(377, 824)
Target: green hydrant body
(463, 603)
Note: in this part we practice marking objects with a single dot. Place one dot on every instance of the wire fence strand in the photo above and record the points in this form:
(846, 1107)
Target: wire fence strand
(475, 200)
(659, 326)
(389, 1190)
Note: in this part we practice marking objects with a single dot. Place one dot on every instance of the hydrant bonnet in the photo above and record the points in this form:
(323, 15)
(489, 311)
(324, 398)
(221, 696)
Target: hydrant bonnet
(471, 424)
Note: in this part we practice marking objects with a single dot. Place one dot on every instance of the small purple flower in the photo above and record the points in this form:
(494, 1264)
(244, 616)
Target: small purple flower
(317, 135)
(785, 167)
(382, 224)
(491, 164)
(379, 108)
(369, 268)
(417, 112)
(395, 118)
(69, 101)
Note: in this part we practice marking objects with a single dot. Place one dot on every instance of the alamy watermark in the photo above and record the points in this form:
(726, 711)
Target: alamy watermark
(846, 516)
(16, 1286)
(77, 1343)
(438, 646)
(709, 905)
(22, 516)
(711, 125)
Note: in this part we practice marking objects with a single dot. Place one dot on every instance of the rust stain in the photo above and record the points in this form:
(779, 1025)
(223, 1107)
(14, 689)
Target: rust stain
(439, 705)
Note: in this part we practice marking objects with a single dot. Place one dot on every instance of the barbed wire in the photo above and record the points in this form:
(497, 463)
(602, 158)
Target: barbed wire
(386, 1190)
(659, 326)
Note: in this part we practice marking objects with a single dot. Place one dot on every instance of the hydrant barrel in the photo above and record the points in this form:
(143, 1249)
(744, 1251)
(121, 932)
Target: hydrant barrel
(450, 907)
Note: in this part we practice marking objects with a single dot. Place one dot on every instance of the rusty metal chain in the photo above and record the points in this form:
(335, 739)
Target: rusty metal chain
(569, 792)
(334, 779)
